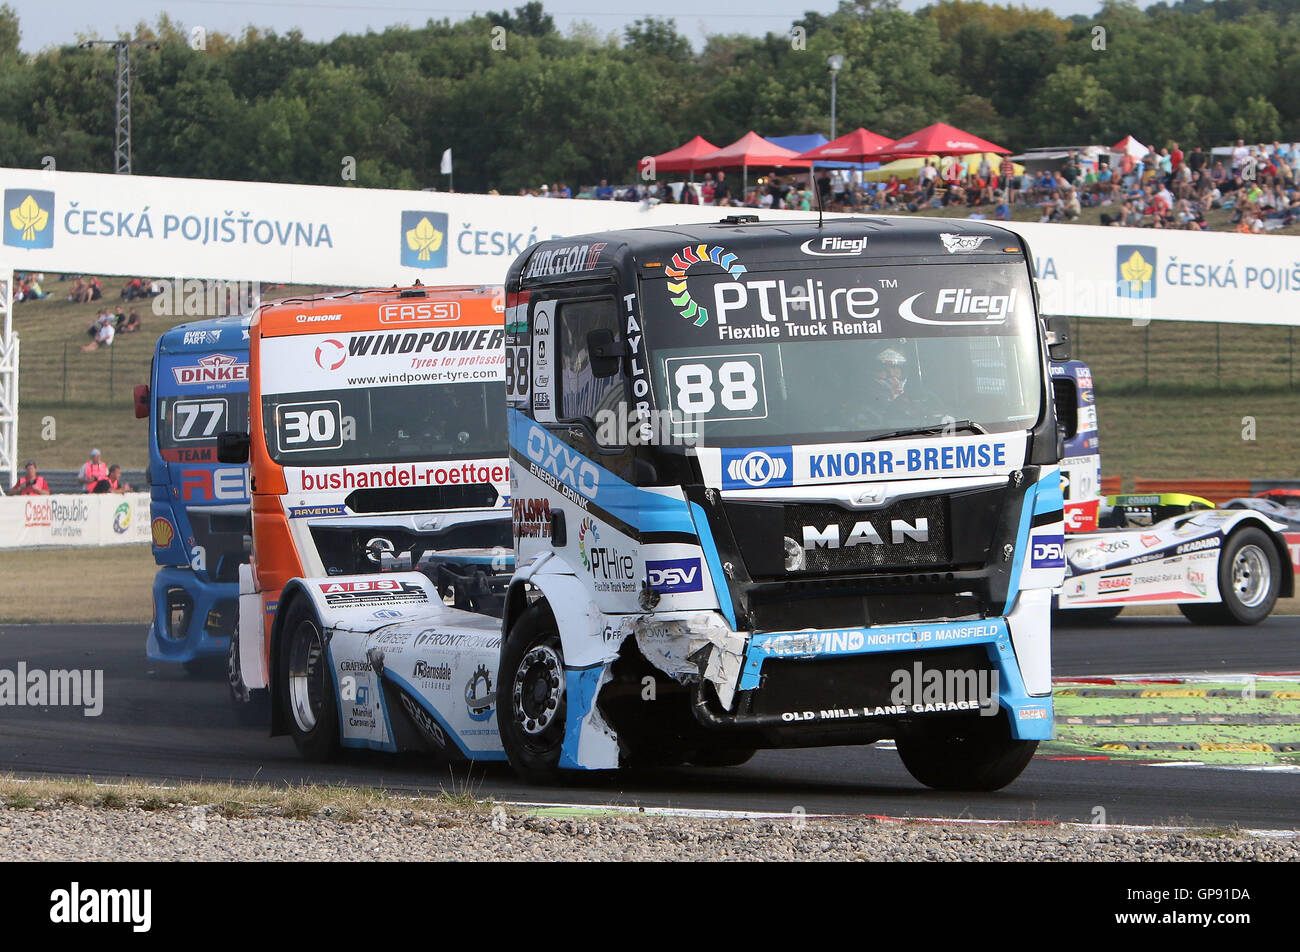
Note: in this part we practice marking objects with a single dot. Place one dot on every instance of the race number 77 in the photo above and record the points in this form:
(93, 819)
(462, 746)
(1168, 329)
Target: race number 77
(206, 415)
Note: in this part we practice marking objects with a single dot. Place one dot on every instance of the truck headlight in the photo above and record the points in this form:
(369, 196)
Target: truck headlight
(795, 561)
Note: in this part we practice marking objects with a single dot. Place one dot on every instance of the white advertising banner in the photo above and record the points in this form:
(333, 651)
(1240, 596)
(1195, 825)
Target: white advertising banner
(310, 234)
(312, 362)
(91, 519)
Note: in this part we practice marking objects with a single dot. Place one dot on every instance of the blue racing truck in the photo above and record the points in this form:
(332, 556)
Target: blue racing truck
(780, 485)
(199, 507)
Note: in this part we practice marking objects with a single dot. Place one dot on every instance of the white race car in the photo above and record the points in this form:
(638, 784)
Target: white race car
(1219, 566)
(402, 670)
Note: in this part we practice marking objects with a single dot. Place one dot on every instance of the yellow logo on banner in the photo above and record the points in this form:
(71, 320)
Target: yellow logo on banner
(424, 238)
(29, 218)
(1136, 270)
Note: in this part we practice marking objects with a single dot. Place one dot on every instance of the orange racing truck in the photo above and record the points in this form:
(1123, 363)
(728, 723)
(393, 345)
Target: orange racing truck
(377, 447)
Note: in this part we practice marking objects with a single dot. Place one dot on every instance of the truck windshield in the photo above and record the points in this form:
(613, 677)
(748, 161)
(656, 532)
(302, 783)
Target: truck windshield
(187, 426)
(844, 353)
(443, 421)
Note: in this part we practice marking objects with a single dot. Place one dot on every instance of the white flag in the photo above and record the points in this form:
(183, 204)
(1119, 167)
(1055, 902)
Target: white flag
(446, 162)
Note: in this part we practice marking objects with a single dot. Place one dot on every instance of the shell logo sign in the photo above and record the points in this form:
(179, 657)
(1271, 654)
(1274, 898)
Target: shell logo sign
(163, 533)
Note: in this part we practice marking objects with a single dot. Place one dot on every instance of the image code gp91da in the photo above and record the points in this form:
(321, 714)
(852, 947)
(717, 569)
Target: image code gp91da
(780, 485)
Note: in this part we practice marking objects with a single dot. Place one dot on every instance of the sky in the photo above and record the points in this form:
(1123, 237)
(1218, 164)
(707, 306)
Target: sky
(47, 23)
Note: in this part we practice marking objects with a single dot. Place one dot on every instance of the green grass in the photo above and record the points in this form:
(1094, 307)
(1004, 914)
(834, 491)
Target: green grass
(70, 400)
(1171, 437)
(1173, 398)
(123, 594)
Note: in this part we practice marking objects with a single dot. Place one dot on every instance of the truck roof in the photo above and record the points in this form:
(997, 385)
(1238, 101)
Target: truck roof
(201, 336)
(391, 308)
(758, 244)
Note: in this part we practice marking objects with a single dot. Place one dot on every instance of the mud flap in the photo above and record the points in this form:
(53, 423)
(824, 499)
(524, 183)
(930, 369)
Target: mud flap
(252, 666)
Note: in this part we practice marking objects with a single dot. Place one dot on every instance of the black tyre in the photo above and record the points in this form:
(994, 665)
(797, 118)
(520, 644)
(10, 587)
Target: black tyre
(973, 753)
(307, 697)
(720, 756)
(1249, 572)
(1080, 617)
(252, 707)
(531, 703)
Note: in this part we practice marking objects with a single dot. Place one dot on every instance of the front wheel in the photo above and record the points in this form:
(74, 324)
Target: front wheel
(973, 753)
(307, 688)
(531, 703)
(1249, 572)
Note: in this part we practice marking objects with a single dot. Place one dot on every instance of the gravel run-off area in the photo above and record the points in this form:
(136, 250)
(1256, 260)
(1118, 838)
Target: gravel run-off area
(187, 832)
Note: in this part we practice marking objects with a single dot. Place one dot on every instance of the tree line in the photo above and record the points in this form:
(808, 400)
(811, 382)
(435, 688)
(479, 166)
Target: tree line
(521, 103)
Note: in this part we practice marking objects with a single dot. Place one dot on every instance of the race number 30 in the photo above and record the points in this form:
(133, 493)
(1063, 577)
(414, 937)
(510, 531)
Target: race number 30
(717, 387)
(309, 426)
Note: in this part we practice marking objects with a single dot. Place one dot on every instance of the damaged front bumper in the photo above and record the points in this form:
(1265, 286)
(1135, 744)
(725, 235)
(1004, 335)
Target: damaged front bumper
(809, 687)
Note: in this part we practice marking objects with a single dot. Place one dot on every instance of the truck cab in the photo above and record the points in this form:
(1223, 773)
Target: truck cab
(376, 434)
(780, 485)
(198, 506)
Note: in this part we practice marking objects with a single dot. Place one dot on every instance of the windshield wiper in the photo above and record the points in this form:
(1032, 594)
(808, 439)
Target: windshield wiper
(935, 428)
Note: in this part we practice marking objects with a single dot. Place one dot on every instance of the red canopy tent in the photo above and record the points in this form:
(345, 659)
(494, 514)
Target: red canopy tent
(938, 139)
(751, 149)
(856, 146)
(684, 158)
(1130, 146)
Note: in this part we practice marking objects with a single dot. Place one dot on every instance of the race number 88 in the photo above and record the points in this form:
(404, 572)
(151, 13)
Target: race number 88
(516, 371)
(699, 389)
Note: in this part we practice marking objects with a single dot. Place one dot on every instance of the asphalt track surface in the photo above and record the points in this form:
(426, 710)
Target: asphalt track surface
(160, 724)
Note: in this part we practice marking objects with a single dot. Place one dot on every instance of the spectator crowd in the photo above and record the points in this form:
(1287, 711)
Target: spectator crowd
(1165, 188)
(94, 475)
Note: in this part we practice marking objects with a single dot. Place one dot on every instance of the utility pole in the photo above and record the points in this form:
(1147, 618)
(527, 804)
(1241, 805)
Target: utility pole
(122, 149)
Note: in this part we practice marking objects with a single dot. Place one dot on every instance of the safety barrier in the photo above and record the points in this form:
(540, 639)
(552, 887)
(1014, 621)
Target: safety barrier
(1215, 490)
(81, 520)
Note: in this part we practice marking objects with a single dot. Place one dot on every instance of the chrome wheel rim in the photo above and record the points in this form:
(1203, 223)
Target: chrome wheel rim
(1251, 578)
(538, 692)
(306, 676)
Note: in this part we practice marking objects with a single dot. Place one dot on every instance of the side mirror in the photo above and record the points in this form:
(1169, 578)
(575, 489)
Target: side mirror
(232, 447)
(1058, 337)
(605, 352)
(141, 396)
